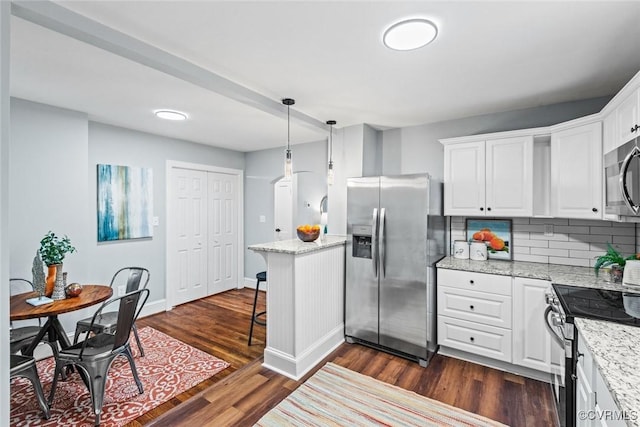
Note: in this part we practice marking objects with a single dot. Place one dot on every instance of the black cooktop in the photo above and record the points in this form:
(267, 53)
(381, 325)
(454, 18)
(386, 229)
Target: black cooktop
(614, 306)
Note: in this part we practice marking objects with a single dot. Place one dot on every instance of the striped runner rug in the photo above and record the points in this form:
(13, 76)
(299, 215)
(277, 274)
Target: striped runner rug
(336, 396)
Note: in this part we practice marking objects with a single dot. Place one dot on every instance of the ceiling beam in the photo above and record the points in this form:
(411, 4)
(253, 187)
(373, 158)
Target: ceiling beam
(69, 23)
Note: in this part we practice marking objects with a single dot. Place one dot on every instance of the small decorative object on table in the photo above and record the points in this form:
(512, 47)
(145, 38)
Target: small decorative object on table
(38, 275)
(52, 251)
(73, 290)
(308, 233)
(615, 261)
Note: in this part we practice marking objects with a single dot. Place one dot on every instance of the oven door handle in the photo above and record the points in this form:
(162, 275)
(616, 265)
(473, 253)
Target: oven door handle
(553, 332)
(623, 180)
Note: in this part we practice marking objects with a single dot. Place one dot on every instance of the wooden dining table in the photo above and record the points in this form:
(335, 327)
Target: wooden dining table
(20, 309)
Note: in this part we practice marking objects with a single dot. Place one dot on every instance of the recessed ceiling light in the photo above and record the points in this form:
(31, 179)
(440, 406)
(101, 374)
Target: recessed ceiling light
(410, 34)
(170, 115)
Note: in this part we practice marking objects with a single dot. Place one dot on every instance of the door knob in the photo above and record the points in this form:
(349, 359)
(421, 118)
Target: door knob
(277, 230)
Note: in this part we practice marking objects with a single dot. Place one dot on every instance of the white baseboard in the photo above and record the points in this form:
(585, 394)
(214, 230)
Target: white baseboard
(296, 367)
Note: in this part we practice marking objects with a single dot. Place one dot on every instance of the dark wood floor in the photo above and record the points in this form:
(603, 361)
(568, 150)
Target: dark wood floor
(242, 393)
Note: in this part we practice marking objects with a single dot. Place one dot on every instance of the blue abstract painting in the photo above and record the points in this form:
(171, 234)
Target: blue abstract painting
(125, 202)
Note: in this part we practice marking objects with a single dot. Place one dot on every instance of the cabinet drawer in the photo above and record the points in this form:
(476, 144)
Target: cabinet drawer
(475, 281)
(481, 307)
(475, 338)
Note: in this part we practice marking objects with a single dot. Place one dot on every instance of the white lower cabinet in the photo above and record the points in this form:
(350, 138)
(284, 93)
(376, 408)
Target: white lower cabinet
(532, 346)
(594, 404)
(499, 317)
(475, 313)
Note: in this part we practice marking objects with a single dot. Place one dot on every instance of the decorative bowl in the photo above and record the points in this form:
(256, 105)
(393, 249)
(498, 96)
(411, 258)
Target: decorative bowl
(308, 237)
(73, 290)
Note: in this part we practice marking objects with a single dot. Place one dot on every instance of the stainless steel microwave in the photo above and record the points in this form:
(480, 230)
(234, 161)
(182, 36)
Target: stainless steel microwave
(622, 180)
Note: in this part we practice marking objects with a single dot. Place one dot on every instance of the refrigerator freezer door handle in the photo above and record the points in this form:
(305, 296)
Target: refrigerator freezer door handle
(374, 242)
(382, 242)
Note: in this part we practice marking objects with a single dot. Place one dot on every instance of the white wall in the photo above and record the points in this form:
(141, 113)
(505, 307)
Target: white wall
(5, 19)
(262, 169)
(54, 155)
(49, 189)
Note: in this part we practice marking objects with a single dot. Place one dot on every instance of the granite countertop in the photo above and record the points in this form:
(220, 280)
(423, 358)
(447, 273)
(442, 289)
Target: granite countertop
(557, 274)
(614, 347)
(297, 246)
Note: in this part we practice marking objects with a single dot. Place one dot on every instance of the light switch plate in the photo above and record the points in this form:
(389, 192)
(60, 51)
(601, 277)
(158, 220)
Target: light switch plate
(156, 221)
(548, 229)
(263, 218)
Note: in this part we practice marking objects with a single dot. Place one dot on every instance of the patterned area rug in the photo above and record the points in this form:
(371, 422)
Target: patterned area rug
(168, 368)
(336, 396)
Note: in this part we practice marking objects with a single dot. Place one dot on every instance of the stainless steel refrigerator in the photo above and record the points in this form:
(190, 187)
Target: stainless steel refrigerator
(395, 235)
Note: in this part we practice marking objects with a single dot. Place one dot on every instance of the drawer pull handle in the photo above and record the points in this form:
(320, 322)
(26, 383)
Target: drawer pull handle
(471, 307)
(471, 281)
(472, 339)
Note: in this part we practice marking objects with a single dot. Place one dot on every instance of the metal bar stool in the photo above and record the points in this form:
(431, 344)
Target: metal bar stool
(261, 277)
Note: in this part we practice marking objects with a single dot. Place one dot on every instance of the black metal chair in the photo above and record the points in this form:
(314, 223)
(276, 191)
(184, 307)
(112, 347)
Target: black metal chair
(96, 353)
(20, 337)
(260, 277)
(107, 321)
(25, 366)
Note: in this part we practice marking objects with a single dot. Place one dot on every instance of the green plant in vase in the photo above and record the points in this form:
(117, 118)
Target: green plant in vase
(53, 250)
(615, 260)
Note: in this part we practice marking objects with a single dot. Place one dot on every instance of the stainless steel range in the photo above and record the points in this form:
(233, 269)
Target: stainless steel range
(564, 304)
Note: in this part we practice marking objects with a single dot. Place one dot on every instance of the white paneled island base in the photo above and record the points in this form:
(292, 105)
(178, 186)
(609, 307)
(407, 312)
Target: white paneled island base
(305, 302)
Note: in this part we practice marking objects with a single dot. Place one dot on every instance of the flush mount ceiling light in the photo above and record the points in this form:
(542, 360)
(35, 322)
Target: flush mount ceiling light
(410, 34)
(170, 115)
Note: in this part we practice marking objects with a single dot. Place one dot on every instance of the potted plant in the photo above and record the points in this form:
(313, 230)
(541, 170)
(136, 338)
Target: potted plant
(53, 249)
(615, 260)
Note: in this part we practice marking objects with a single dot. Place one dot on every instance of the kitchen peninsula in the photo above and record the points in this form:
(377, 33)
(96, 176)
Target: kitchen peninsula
(305, 302)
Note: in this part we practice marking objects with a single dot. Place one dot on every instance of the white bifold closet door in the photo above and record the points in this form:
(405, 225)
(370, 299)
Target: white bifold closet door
(203, 234)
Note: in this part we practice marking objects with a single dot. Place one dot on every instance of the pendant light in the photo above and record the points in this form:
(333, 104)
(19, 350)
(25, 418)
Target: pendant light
(288, 166)
(330, 169)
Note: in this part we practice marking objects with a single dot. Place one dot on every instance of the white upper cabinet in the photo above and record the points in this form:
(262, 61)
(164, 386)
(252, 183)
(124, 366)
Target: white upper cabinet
(576, 172)
(491, 177)
(509, 176)
(628, 118)
(464, 180)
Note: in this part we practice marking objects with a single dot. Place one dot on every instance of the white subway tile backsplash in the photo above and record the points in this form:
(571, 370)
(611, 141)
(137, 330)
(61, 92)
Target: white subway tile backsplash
(620, 230)
(589, 222)
(602, 238)
(583, 246)
(556, 236)
(574, 241)
(628, 240)
(581, 262)
(533, 243)
(582, 229)
(553, 221)
(539, 228)
(531, 258)
(549, 252)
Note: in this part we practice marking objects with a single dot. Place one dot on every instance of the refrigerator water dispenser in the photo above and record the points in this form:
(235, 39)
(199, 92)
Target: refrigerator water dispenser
(362, 241)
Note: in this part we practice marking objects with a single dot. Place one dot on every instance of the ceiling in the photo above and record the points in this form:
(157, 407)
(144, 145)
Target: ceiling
(227, 64)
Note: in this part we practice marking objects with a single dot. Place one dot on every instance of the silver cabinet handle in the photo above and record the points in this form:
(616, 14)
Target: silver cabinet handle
(623, 182)
(374, 242)
(382, 242)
